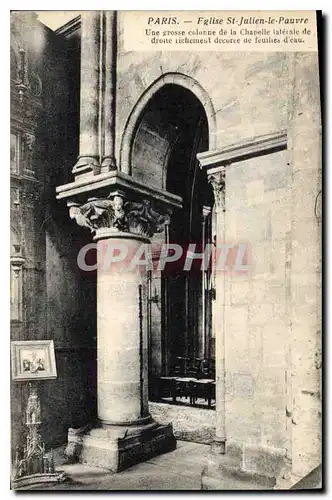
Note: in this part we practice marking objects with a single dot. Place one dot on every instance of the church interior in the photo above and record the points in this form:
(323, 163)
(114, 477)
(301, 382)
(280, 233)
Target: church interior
(223, 365)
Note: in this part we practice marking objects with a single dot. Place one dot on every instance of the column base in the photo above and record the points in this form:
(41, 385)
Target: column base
(218, 446)
(86, 166)
(242, 468)
(116, 448)
(108, 164)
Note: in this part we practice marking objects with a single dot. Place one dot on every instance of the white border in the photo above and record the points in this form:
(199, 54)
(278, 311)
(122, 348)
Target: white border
(4, 197)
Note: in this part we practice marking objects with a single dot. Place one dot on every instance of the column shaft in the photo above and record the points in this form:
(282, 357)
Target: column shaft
(219, 324)
(109, 95)
(89, 94)
(121, 339)
(218, 183)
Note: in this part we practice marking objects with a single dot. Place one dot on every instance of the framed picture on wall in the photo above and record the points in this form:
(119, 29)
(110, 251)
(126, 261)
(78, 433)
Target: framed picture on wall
(33, 360)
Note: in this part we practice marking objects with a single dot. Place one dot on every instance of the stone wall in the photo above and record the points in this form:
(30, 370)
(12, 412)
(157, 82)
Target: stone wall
(272, 314)
(248, 90)
(27, 251)
(258, 212)
(305, 269)
(69, 401)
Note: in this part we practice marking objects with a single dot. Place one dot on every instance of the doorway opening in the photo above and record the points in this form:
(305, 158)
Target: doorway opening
(172, 130)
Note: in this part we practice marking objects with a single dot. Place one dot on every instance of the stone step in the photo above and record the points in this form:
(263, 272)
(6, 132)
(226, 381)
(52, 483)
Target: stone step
(226, 476)
(247, 476)
(228, 484)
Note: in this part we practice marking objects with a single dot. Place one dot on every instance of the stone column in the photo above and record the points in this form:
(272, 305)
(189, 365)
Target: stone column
(97, 94)
(204, 346)
(110, 26)
(126, 433)
(122, 339)
(88, 161)
(217, 179)
(16, 296)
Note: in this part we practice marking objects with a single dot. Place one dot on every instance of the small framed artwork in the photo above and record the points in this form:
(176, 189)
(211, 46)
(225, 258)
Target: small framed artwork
(33, 360)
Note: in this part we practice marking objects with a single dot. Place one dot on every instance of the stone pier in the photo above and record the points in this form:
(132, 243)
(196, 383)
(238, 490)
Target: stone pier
(126, 218)
(120, 212)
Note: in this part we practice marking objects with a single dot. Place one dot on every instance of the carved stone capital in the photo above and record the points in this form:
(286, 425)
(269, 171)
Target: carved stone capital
(118, 215)
(218, 183)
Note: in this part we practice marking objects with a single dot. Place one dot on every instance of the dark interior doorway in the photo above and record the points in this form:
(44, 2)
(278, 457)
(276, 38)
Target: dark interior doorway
(172, 130)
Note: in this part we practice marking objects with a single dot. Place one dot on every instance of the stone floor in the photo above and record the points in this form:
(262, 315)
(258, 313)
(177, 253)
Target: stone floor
(199, 403)
(178, 470)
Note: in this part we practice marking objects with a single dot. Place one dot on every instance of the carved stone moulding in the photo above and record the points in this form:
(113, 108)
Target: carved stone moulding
(244, 149)
(216, 162)
(218, 182)
(30, 198)
(114, 204)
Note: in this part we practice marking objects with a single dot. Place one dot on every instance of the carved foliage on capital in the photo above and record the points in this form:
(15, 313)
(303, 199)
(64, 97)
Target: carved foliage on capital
(218, 183)
(144, 219)
(117, 214)
(98, 213)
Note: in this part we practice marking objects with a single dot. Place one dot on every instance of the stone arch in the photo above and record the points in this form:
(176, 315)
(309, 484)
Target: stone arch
(182, 80)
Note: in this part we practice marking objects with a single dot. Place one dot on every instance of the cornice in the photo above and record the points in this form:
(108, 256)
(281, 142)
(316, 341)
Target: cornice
(70, 27)
(24, 179)
(115, 180)
(243, 150)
